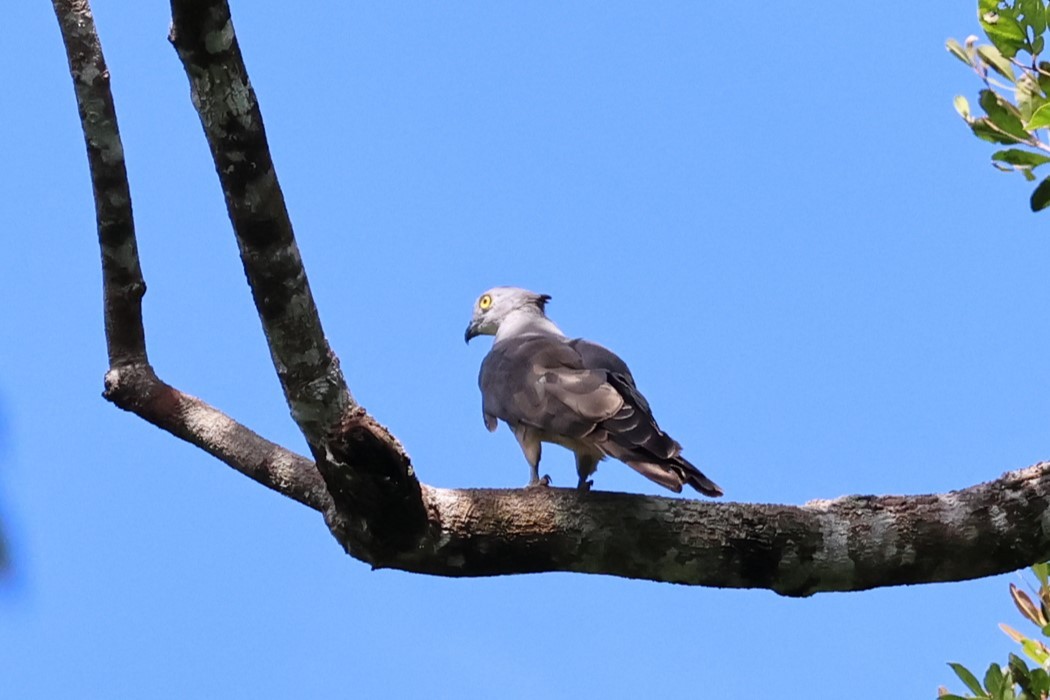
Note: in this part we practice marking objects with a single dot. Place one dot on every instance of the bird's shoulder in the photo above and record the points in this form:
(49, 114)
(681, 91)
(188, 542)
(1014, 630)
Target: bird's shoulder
(527, 377)
(536, 352)
(595, 356)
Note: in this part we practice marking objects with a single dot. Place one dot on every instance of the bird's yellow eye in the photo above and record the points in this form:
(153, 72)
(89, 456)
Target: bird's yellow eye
(484, 302)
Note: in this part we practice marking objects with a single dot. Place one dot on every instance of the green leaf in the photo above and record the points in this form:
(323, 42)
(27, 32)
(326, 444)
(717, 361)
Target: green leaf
(983, 129)
(1035, 650)
(968, 678)
(956, 49)
(1033, 15)
(1003, 114)
(1017, 666)
(1029, 96)
(962, 106)
(1040, 118)
(1004, 31)
(997, 61)
(1040, 200)
(1039, 681)
(993, 679)
(1020, 674)
(1043, 76)
(1006, 692)
(1015, 156)
(1042, 573)
(1037, 45)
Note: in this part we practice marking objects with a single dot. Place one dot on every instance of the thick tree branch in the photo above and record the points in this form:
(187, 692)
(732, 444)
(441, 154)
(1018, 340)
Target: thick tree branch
(131, 383)
(137, 389)
(370, 477)
(370, 496)
(317, 394)
(848, 544)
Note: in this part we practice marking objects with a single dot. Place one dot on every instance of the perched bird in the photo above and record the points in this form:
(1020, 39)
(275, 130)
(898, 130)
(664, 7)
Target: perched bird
(572, 393)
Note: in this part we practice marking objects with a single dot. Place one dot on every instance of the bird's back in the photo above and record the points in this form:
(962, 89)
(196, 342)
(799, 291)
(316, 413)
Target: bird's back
(576, 392)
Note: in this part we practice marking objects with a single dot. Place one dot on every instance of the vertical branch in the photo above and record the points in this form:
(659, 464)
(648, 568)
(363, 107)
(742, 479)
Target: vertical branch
(317, 394)
(376, 496)
(121, 273)
(131, 382)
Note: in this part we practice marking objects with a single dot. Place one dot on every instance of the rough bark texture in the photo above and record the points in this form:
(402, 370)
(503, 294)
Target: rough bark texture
(131, 382)
(122, 276)
(363, 481)
(136, 388)
(317, 394)
(848, 544)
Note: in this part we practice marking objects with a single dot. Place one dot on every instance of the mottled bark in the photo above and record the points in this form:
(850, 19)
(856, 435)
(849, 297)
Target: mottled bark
(122, 276)
(313, 384)
(363, 481)
(131, 382)
(847, 544)
(136, 388)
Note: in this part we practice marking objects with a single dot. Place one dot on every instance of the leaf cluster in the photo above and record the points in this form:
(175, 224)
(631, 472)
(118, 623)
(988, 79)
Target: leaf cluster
(1015, 100)
(1016, 680)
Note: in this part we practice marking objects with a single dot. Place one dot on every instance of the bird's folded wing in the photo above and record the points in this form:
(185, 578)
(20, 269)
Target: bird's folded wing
(540, 381)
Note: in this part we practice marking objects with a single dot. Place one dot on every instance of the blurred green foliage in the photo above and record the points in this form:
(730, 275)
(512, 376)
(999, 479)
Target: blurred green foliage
(1015, 100)
(1016, 680)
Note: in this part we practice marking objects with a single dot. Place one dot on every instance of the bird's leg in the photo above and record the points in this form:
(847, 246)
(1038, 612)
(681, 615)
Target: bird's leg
(536, 481)
(530, 445)
(585, 466)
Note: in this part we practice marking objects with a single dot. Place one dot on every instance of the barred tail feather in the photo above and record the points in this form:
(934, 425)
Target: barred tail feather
(695, 478)
(674, 474)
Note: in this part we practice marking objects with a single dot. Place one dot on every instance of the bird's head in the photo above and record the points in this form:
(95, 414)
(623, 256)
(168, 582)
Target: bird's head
(492, 307)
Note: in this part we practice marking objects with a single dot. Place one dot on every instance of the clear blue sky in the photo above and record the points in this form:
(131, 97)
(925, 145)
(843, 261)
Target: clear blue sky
(778, 220)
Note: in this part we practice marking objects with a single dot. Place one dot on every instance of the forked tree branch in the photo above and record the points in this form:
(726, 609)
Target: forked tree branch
(317, 394)
(369, 493)
(131, 382)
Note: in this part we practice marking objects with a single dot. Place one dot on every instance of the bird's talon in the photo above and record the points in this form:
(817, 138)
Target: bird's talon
(585, 485)
(541, 483)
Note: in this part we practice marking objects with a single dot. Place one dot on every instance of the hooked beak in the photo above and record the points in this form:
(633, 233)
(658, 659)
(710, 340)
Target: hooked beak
(472, 332)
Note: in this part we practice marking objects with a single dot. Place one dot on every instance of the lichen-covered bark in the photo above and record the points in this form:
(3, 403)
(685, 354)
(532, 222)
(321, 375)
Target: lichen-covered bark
(363, 481)
(847, 544)
(317, 394)
(122, 275)
(131, 382)
(137, 389)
